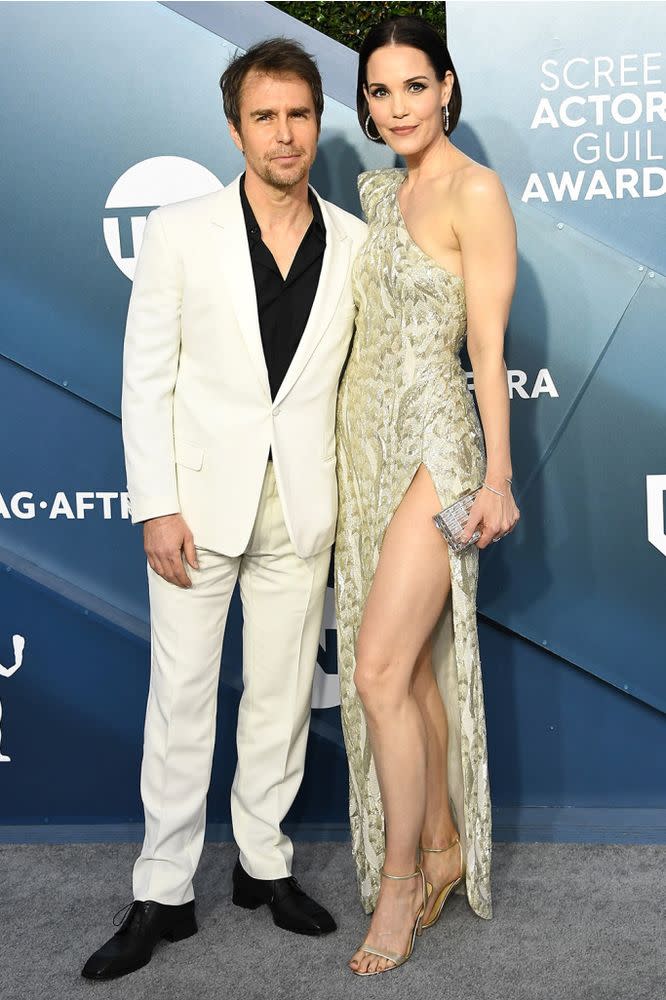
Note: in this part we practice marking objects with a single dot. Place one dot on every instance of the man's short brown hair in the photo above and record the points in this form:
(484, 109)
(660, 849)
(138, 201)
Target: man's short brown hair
(276, 57)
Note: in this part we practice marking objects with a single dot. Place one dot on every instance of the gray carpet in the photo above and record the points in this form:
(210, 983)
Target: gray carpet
(571, 921)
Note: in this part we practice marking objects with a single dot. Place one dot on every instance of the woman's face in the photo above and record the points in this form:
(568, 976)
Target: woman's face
(405, 98)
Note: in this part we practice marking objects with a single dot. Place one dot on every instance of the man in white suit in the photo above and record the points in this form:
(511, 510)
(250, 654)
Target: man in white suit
(239, 324)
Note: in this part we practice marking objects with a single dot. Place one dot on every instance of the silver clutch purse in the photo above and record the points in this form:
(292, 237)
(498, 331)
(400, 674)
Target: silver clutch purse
(452, 520)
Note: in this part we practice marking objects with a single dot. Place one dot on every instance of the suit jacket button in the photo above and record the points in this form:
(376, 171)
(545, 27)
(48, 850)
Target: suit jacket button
(276, 411)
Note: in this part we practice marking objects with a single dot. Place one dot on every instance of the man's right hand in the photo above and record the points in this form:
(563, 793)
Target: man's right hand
(167, 542)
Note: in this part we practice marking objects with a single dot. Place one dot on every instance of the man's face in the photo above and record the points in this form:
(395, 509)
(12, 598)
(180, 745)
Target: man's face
(278, 128)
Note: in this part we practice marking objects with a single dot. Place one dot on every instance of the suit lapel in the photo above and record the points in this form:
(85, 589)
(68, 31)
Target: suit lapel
(331, 284)
(237, 270)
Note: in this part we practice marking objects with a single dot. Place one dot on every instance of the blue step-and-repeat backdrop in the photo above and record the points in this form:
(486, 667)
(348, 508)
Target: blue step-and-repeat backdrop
(109, 110)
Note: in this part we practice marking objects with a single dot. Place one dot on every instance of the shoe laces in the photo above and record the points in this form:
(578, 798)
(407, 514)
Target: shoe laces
(118, 919)
(295, 884)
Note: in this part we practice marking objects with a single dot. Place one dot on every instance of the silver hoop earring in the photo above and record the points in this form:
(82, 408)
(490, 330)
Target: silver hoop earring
(366, 129)
(445, 118)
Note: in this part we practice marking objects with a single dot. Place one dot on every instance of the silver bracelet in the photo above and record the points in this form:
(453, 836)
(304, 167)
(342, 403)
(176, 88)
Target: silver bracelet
(496, 492)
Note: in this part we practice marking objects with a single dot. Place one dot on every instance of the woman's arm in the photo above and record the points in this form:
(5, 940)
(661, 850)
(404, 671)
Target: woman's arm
(487, 235)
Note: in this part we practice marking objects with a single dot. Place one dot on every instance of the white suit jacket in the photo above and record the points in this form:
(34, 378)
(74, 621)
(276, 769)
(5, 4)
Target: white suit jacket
(197, 413)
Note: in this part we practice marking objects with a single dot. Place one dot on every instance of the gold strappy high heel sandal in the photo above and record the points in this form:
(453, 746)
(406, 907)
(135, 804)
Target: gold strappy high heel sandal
(416, 930)
(438, 905)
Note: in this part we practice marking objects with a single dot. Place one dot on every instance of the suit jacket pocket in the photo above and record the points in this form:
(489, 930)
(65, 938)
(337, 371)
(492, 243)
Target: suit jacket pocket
(190, 455)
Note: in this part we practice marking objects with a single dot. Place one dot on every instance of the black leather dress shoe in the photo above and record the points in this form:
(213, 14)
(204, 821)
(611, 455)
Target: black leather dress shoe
(131, 947)
(292, 909)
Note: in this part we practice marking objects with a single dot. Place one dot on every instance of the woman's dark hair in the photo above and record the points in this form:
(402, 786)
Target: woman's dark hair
(418, 34)
(277, 57)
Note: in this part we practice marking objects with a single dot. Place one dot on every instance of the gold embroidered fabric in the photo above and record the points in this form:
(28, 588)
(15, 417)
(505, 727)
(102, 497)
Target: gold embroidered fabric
(404, 401)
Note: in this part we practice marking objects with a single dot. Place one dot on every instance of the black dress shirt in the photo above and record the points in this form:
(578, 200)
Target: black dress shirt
(284, 304)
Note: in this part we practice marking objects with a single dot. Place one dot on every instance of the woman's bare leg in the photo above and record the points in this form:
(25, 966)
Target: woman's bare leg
(439, 828)
(407, 595)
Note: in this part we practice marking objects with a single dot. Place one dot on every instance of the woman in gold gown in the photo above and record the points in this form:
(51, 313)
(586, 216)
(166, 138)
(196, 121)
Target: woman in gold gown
(438, 267)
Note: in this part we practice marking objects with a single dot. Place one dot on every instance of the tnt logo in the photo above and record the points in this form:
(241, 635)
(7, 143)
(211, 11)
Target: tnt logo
(160, 180)
(656, 522)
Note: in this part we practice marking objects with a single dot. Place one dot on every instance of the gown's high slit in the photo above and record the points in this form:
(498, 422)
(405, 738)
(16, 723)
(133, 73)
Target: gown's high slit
(404, 402)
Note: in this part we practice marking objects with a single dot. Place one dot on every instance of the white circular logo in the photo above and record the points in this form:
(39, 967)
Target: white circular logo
(161, 180)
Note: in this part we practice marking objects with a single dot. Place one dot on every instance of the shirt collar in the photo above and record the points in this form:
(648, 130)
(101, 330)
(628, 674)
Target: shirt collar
(252, 226)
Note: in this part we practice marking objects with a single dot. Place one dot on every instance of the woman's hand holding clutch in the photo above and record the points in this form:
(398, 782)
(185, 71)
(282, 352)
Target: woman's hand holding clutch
(494, 513)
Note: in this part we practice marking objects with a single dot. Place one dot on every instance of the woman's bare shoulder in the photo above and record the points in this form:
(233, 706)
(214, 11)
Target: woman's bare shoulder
(470, 197)
(471, 180)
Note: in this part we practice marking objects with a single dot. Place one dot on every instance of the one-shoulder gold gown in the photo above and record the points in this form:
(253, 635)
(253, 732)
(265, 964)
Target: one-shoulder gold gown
(404, 401)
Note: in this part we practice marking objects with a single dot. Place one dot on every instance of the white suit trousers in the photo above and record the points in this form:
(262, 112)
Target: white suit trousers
(283, 600)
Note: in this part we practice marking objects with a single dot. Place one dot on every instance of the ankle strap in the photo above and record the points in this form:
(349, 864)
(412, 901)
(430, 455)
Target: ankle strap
(399, 878)
(441, 850)
(426, 888)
